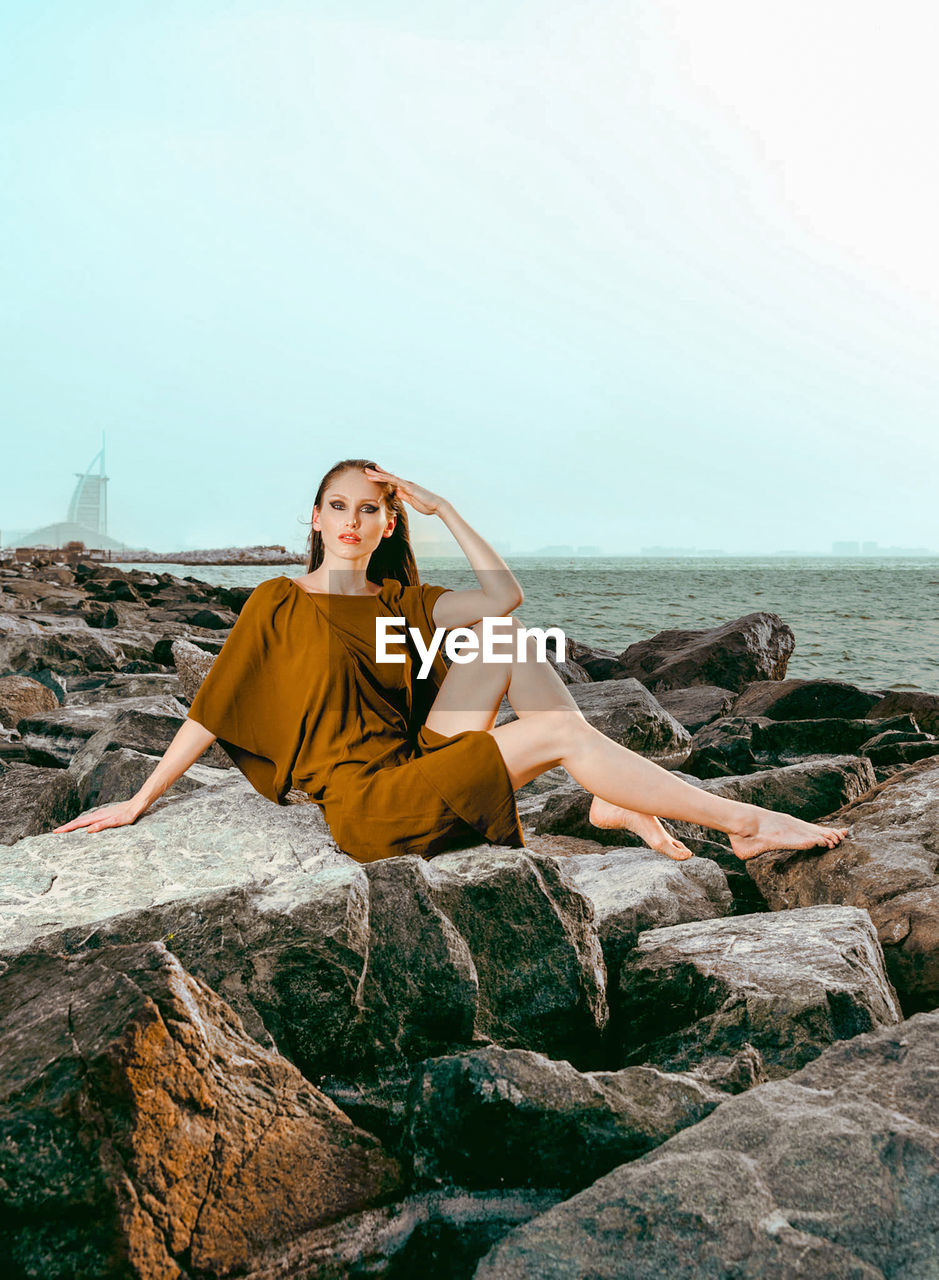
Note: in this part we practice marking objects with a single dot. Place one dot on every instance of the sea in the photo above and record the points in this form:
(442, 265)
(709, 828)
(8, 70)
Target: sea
(873, 622)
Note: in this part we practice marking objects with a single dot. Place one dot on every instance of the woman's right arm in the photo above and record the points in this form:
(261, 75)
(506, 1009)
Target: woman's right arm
(191, 740)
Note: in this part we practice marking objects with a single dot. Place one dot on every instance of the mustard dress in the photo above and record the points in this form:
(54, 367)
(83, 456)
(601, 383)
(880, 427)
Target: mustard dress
(297, 698)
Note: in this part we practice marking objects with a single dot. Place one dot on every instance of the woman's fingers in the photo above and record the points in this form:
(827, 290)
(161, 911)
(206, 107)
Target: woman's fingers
(83, 820)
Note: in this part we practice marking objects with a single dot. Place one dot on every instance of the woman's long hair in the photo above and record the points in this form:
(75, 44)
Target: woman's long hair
(393, 557)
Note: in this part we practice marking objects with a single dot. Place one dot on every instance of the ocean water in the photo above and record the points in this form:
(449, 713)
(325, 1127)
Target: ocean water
(871, 621)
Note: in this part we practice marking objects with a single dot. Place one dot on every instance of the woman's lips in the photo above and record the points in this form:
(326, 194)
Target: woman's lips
(348, 537)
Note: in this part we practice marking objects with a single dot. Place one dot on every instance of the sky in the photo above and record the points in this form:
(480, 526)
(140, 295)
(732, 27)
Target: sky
(652, 272)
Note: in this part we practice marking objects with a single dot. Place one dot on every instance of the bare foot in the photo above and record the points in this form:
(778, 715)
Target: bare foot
(645, 825)
(771, 830)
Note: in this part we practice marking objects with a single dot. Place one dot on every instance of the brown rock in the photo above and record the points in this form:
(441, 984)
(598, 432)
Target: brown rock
(20, 697)
(145, 1135)
(755, 647)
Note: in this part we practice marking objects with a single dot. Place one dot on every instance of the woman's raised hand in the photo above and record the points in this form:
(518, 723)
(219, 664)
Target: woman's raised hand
(109, 815)
(421, 500)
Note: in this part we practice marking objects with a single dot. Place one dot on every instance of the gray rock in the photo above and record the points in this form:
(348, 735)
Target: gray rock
(119, 774)
(788, 983)
(144, 725)
(542, 980)
(734, 744)
(832, 1173)
(215, 839)
(754, 647)
(632, 890)
(91, 690)
(33, 800)
(420, 991)
(804, 700)
(510, 1117)
(697, 705)
(288, 953)
(63, 732)
(888, 864)
(142, 1132)
(192, 666)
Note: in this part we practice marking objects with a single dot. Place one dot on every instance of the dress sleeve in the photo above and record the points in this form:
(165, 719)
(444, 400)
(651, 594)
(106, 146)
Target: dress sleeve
(239, 698)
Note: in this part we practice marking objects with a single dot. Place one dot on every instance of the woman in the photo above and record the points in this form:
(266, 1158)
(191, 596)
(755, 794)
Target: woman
(299, 698)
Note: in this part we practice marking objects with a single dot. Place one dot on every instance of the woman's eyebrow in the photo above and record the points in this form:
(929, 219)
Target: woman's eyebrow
(345, 499)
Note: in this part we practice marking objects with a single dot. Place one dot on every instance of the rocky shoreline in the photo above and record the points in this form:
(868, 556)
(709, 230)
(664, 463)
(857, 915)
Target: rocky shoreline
(230, 1050)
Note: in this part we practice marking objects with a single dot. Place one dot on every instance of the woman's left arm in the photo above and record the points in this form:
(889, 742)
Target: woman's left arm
(499, 591)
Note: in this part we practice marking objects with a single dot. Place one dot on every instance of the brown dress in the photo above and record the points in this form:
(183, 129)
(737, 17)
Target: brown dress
(297, 699)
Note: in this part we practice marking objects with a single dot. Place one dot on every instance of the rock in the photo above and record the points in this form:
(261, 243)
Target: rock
(788, 983)
(632, 890)
(924, 708)
(139, 1122)
(734, 745)
(146, 725)
(896, 746)
(510, 1117)
(600, 664)
(570, 672)
(419, 993)
(86, 691)
(542, 982)
(66, 652)
(216, 838)
(33, 800)
(754, 647)
(804, 700)
(809, 790)
(434, 1233)
(831, 1173)
(63, 732)
(21, 697)
(192, 665)
(626, 712)
(697, 705)
(888, 864)
(100, 616)
(119, 774)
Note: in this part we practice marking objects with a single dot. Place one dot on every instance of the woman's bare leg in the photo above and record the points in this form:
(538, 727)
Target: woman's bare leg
(544, 740)
(469, 699)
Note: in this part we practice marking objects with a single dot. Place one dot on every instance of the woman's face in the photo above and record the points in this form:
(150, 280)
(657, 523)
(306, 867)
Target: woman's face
(352, 518)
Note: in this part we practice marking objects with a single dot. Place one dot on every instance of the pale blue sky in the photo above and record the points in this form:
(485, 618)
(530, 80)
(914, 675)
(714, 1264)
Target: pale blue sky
(647, 272)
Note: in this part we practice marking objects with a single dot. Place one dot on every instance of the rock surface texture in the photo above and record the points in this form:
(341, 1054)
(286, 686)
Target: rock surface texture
(831, 1173)
(142, 1133)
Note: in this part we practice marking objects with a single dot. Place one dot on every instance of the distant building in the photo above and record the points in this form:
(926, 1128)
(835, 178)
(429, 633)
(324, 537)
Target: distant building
(87, 517)
(845, 548)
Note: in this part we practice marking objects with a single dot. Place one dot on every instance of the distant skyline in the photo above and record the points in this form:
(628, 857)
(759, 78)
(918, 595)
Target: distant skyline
(615, 275)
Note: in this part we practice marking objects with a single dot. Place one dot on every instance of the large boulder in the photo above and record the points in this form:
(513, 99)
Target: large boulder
(804, 700)
(217, 838)
(531, 935)
(143, 1133)
(632, 890)
(755, 647)
(510, 1117)
(787, 983)
(889, 864)
(831, 1173)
